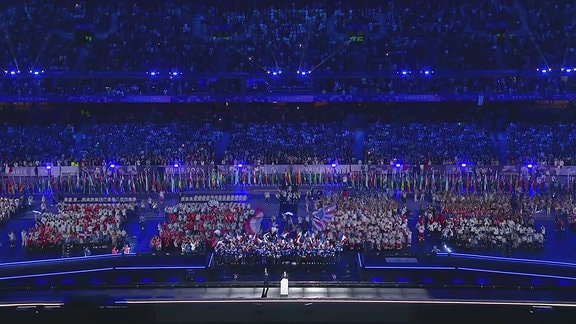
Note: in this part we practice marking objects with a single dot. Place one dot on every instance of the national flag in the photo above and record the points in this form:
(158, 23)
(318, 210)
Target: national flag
(253, 225)
(322, 217)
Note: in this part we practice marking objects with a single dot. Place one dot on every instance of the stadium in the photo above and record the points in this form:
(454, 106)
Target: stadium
(231, 161)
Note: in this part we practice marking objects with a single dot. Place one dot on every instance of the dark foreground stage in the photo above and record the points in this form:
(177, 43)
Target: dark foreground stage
(384, 288)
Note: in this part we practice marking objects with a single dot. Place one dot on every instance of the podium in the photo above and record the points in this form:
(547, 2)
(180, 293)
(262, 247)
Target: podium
(284, 287)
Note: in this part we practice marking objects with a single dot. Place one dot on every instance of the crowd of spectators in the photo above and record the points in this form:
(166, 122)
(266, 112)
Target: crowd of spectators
(285, 143)
(321, 37)
(79, 225)
(293, 35)
(547, 144)
(438, 143)
(291, 135)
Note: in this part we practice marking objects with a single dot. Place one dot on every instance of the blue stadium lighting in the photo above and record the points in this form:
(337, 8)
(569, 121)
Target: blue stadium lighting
(159, 267)
(55, 273)
(12, 72)
(176, 165)
(402, 280)
(333, 165)
(530, 166)
(516, 273)
(376, 280)
(153, 73)
(567, 70)
(146, 280)
(66, 260)
(463, 165)
(174, 73)
(36, 72)
(427, 72)
(427, 281)
(398, 165)
(505, 259)
(121, 281)
(275, 72)
(544, 71)
(409, 268)
(112, 165)
(404, 72)
(212, 258)
(304, 73)
(48, 167)
(240, 165)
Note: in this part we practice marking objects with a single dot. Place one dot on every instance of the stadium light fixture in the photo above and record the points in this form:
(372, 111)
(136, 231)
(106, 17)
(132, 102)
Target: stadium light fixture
(176, 165)
(530, 165)
(398, 165)
(334, 165)
(240, 165)
(463, 165)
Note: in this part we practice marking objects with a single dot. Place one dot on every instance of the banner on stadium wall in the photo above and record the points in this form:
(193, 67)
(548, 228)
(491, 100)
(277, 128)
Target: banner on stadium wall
(105, 171)
(40, 171)
(208, 170)
(564, 171)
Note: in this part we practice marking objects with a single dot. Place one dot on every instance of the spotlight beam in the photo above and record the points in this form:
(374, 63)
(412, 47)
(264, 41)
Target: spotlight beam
(346, 44)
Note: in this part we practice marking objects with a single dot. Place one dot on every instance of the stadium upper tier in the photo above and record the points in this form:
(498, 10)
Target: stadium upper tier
(295, 36)
(277, 134)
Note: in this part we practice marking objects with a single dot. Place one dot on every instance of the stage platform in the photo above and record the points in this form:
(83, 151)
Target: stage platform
(311, 304)
(376, 288)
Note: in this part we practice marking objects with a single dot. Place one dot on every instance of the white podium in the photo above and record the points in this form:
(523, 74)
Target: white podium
(284, 287)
